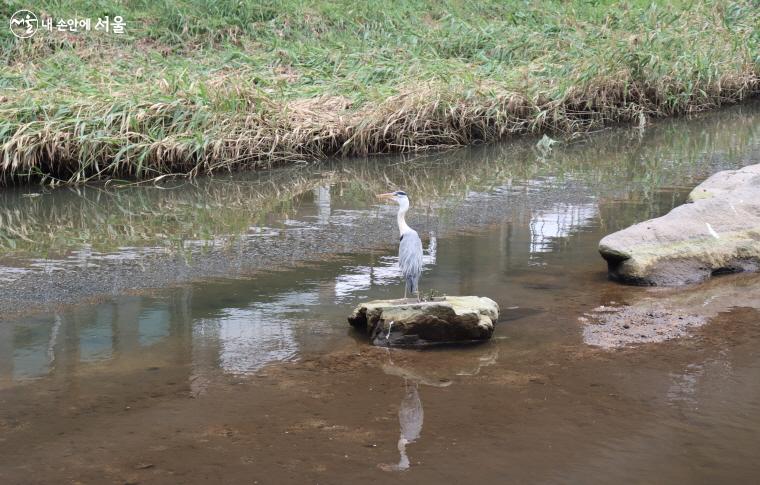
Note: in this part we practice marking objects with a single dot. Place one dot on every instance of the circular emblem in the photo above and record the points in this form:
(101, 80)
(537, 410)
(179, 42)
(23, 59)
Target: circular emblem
(23, 24)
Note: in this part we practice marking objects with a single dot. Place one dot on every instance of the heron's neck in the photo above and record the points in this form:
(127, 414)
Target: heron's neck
(402, 225)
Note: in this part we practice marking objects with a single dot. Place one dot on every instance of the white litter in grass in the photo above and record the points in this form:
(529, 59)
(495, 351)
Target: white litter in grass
(712, 231)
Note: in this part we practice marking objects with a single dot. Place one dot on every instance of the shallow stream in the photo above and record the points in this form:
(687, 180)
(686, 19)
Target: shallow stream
(197, 332)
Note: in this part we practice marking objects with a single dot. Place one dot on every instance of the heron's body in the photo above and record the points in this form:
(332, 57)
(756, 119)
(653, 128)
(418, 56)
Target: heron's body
(410, 260)
(409, 247)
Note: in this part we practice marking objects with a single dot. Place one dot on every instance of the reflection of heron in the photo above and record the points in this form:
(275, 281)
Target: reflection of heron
(409, 247)
(429, 370)
(410, 416)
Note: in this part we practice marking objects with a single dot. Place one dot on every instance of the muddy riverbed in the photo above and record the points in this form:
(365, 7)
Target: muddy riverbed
(196, 333)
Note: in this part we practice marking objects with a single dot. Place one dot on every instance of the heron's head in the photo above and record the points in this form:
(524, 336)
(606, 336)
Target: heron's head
(398, 196)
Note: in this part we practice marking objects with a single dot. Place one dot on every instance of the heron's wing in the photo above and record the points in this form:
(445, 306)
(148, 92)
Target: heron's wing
(410, 254)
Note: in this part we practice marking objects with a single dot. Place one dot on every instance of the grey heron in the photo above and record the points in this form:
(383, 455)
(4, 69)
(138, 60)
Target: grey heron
(409, 246)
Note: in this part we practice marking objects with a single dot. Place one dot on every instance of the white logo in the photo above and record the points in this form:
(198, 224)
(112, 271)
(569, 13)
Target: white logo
(23, 24)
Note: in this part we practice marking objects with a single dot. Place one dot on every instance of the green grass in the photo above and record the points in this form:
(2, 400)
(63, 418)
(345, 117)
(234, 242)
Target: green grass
(199, 85)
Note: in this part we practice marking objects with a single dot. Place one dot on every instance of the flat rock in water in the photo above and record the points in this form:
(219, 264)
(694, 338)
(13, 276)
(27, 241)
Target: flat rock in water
(668, 313)
(445, 320)
(717, 232)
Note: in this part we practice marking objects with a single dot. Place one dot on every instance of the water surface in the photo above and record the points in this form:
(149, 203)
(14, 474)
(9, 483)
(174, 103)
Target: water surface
(241, 367)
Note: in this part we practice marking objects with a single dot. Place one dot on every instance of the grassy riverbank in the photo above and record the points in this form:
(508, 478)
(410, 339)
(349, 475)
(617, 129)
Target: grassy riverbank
(199, 85)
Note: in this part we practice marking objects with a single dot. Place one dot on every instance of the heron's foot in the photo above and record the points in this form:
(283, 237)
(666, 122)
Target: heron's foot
(409, 299)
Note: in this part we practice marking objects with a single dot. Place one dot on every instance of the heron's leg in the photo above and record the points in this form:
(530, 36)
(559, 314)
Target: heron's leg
(404, 291)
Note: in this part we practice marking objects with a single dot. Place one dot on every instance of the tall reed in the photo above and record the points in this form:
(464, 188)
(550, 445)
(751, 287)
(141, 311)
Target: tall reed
(197, 86)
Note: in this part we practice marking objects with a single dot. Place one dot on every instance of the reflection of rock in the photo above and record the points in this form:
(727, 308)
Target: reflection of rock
(436, 370)
(668, 314)
(450, 319)
(719, 232)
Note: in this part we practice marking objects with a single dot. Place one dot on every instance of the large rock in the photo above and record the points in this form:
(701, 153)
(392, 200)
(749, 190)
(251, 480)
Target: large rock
(717, 232)
(445, 320)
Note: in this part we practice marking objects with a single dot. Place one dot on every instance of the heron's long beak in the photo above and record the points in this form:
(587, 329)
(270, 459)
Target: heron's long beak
(388, 196)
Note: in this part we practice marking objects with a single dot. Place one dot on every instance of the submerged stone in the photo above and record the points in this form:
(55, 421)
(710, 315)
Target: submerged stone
(445, 320)
(668, 313)
(717, 232)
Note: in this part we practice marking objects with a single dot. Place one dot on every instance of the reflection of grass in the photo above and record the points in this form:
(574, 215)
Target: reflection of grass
(617, 164)
(669, 154)
(146, 216)
(202, 85)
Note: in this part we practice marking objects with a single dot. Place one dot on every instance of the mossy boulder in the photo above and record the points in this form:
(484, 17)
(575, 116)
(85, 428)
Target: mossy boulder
(717, 231)
(445, 320)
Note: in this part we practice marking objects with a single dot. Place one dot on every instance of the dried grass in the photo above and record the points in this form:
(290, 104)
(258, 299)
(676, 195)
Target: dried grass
(451, 76)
